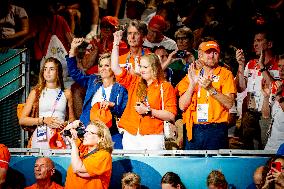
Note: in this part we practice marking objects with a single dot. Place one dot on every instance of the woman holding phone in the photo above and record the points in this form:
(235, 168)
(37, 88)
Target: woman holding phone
(275, 177)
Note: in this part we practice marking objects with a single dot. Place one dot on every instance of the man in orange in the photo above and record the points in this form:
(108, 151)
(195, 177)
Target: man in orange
(4, 163)
(136, 33)
(44, 169)
(206, 95)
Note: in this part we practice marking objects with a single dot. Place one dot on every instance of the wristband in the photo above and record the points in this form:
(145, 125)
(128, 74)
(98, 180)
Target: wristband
(263, 69)
(42, 120)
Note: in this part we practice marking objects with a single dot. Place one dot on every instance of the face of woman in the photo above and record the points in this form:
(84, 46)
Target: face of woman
(91, 137)
(50, 72)
(146, 69)
(104, 68)
(169, 186)
(282, 163)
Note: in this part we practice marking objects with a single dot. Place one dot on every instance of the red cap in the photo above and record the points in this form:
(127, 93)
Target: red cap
(4, 156)
(110, 20)
(204, 46)
(158, 22)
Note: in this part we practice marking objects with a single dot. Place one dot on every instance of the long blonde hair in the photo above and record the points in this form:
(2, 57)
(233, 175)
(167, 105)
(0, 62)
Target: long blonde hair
(103, 133)
(158, 74)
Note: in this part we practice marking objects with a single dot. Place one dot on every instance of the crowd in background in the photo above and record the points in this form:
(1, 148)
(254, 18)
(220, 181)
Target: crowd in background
(211, 72)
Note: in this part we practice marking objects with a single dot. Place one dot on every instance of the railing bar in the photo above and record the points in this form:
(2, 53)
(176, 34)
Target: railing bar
(1, 87)
(11, 69)
(11, 57)
(12, 93)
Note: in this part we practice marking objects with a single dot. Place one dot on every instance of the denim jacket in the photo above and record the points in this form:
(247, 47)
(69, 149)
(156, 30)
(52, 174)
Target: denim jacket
(118, 93)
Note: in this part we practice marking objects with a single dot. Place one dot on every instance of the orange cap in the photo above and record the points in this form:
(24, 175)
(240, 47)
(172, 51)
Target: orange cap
(4, 156)
(110, 20)
(158, 22)
(204, 46)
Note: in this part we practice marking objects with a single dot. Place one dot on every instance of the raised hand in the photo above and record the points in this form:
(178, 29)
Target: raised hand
(240, 56)
(193, 78)
(117, 36)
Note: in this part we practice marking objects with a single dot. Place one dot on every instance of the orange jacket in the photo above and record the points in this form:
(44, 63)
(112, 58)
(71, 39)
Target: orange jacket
(223, 81)
(53, 186)
(130, 120)
(98, 165)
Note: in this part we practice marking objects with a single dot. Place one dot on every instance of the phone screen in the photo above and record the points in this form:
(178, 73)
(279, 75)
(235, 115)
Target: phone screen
(201, 73)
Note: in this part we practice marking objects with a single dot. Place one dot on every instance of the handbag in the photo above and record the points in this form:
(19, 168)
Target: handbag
(102, 114)
(168, 133)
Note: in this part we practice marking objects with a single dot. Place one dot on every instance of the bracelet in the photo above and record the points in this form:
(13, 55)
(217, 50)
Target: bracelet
(263, 69)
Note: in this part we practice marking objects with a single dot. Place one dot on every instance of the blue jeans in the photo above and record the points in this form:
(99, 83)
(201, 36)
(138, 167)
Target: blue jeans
(211, 136)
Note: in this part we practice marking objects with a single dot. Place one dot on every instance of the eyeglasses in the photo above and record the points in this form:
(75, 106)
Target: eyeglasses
(90, 132)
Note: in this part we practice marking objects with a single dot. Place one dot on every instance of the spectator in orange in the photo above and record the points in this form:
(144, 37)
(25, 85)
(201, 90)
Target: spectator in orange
(4, 163)
(44, 170)
(91, 161)
(206, 95)
(142, 119)
(136, 32)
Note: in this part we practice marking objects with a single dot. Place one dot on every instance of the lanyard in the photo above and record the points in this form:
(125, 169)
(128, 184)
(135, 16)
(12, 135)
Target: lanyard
(136, 60)
(56, 102)
(90, 153)
(104, 93)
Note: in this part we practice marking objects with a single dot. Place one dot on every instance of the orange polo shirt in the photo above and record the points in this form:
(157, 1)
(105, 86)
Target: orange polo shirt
(123, 58)
(53, 186)
(130, 120)
(223, 81)
(98, 166)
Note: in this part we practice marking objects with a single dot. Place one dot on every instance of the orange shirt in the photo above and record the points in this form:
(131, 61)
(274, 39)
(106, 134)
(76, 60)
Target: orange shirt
(127, 57)
(53, 186)
(223, 81)
(130, 120)
(98, 166)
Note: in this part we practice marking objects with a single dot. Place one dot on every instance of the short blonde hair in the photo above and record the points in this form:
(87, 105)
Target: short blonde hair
(217, 178)
(130, 179)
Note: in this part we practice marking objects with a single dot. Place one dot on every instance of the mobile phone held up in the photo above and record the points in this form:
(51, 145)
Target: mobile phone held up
(201, 73)
(276, 165)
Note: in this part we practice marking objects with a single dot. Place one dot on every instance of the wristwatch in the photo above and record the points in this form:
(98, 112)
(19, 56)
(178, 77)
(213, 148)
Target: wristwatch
(213, 92)
(149, 111)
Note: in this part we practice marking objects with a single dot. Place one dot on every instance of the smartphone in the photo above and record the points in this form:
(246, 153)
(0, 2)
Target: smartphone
(201, 73)
(276, 165)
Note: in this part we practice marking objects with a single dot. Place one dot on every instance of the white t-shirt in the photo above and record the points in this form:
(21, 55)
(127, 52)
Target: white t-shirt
(168, 43)
(98, 96)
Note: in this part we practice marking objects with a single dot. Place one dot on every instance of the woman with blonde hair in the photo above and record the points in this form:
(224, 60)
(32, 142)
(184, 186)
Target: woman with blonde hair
(91, 161)
(47, 105)
(142, 119)
(102, 90)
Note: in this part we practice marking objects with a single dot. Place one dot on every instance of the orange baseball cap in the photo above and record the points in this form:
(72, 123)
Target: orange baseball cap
(204, 46)
(158, 22)
(4, 156)
(110, 20)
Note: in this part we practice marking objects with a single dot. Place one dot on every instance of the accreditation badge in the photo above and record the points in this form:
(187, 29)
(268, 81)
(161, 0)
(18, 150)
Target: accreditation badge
(41, 133)
(202, 112)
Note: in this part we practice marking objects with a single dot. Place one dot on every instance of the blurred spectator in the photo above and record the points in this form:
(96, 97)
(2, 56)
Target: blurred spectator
(258, 178)
(136, 32)
(142, 119)
(273, 104)
(4, 163)
(155, 36)
(130, 181)
(275, 177)
(216, 180)
(44, 170)
(280, 150)
(103, 90)
(14, 24)
(206, 95)
(171, 180)
(91, 161)
(250, 77)
(46, 119)
(180, 60)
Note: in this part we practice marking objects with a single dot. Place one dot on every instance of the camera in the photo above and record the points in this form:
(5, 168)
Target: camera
(181, 54)
(80, 131)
